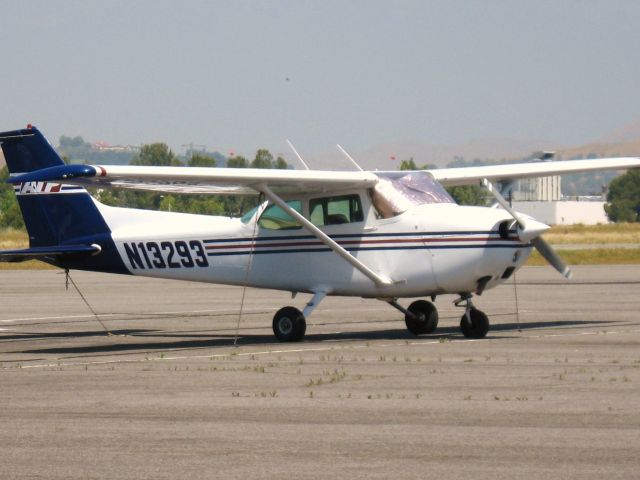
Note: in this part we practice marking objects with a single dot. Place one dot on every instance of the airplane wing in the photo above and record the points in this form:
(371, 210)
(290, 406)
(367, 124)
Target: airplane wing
(241, 181)
(231, 181)
(451, 177)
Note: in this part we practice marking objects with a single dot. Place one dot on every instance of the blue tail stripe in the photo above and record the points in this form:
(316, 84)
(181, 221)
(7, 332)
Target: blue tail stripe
(58, 219)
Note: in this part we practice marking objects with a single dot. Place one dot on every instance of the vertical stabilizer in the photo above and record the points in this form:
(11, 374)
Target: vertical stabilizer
(55, 213)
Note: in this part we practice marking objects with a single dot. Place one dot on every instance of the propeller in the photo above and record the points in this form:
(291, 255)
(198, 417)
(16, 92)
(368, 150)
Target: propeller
(529, 230)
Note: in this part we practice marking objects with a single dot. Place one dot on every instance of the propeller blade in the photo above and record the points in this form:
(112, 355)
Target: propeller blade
(530, 230)
(551, 256)
(501, 201)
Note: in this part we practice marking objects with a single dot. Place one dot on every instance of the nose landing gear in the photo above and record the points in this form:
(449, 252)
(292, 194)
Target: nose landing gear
(474, 323)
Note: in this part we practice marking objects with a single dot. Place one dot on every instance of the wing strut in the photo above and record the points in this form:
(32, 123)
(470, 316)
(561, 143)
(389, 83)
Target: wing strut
(324, 238)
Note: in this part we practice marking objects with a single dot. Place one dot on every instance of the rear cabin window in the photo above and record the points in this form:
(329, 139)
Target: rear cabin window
(336, 210)
(274, 218)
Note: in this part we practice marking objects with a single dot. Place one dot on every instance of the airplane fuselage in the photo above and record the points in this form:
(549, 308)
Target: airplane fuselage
(428, 250)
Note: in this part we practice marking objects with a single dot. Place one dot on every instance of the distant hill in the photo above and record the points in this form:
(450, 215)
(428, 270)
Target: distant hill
(623, 142)
(592, 150)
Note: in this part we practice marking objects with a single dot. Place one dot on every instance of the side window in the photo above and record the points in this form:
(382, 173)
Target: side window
(336, 210)
(274, 218)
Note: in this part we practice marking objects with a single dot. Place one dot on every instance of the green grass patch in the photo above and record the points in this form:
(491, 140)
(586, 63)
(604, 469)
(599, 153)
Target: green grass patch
(594, 256)
(11, 238)
(594, 234)
(28, 265)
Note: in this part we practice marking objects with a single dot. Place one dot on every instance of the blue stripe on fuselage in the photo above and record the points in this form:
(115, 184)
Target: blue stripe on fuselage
(361, 249)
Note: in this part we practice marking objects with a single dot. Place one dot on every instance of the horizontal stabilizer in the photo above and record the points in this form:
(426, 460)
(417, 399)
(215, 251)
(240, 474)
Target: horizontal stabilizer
(24, 254)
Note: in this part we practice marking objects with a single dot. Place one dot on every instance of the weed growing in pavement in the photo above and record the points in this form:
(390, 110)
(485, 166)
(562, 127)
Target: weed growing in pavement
(312, 382)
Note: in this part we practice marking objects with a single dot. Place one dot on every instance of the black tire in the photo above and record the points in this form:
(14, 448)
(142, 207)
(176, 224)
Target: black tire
(425, 320)
(289, 325)
(479, 324)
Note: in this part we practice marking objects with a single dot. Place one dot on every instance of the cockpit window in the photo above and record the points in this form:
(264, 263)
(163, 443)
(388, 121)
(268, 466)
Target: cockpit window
(396, 192)
(336, 210)
(274, 218)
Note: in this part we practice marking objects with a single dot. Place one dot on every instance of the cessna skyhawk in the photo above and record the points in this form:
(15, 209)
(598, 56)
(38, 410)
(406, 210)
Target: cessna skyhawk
(379, 235)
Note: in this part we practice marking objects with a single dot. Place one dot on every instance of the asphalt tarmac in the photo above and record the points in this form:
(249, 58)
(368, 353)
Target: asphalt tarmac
(185, 388)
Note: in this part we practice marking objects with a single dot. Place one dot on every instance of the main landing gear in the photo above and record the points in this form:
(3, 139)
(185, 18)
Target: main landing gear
(422, 317)
(290, 324)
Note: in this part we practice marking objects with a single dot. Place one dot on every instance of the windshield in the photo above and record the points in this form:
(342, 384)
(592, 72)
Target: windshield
(396, 192)
(246, 218)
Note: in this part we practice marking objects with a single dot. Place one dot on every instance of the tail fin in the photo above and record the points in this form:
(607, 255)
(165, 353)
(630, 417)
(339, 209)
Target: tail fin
(56, 214)
(27, 150)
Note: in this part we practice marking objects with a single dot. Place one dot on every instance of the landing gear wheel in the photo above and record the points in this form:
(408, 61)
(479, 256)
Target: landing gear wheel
(425, 319)
(289, 325)
(477, 327)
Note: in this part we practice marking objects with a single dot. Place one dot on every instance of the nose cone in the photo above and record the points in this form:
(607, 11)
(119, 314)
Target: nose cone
(532, 229)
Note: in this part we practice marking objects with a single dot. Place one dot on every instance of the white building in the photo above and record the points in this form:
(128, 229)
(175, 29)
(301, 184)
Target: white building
(542, 199)
(538, 189)
(564, 212)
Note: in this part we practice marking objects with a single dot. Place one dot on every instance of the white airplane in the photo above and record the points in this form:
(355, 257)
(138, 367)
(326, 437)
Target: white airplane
(379, 235)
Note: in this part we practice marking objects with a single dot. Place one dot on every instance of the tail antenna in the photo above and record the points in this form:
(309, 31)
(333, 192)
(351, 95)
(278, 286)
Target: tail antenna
(298, 155)
(349, 157)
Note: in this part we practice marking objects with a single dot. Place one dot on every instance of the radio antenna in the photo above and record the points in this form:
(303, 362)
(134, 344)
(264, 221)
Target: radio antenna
(349, 157)
(298, 155)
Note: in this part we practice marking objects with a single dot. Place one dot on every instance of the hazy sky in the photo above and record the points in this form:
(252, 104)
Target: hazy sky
(238, 75)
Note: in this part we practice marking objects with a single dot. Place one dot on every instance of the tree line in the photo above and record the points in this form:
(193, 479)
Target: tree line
(159, 154)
